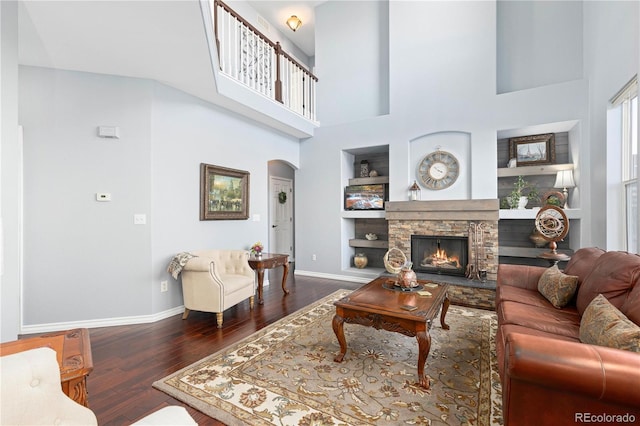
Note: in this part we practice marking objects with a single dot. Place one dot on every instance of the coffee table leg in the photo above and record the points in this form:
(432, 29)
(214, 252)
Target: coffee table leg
(284, 277)
(424, 346)
(338, 329)
(445, 308)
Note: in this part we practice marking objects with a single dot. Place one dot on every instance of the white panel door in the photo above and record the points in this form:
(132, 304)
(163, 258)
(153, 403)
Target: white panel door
(281, 216)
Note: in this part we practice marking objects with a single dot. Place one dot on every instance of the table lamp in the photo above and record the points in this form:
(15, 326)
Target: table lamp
(564, 180)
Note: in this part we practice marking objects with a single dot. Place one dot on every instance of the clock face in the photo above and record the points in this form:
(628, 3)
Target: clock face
(438, 170)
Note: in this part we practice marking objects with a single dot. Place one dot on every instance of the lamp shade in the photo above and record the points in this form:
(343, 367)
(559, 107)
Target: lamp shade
(564, 179)
(294, 23)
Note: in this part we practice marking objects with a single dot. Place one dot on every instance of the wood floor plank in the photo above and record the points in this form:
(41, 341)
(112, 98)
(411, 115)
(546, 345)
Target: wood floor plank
(128, 359)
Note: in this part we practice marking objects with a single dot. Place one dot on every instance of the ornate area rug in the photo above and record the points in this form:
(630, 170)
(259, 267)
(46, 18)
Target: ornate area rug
(284, 374)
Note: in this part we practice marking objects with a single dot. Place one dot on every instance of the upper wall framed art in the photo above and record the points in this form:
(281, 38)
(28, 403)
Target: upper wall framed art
(224, 193)
(532, 150)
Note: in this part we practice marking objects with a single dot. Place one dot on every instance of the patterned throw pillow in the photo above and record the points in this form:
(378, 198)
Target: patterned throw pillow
(603, 324)
(558, 288)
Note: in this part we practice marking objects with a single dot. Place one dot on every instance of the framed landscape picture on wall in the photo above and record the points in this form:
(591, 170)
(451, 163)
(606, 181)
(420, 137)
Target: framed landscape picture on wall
(535, 149)
(224, 193)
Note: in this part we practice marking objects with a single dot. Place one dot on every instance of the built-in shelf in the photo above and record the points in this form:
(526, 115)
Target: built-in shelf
(531, 213)
(369, 180)
(528, 252)
(543, 169)
(363, 214)
(368, 243)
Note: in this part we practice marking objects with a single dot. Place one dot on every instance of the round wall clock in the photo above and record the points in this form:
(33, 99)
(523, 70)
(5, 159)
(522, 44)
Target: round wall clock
(438, 170)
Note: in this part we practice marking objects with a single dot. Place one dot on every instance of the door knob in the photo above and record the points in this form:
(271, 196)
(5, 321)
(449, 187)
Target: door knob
(274, 226)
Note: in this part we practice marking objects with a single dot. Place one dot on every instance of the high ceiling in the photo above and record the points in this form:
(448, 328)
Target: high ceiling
(277, 13)
(159, 40)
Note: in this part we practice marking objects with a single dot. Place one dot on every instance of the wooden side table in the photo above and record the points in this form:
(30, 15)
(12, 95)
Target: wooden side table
(73, 352)
(269, 261)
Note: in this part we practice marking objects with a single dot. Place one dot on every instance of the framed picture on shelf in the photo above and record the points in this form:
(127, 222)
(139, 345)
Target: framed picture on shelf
(224, 193)
(535, 149)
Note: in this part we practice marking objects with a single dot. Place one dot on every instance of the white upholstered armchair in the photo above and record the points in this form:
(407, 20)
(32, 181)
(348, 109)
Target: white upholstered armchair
(32, 395)
(216, 280)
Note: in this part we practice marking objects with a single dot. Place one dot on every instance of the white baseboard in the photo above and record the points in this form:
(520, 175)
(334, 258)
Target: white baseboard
(107, 322)
(361, 279)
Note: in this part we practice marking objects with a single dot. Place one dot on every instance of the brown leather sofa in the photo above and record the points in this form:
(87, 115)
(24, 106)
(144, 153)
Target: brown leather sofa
(548, 376)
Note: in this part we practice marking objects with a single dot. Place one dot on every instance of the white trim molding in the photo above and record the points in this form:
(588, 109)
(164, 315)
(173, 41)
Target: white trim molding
(107, 322)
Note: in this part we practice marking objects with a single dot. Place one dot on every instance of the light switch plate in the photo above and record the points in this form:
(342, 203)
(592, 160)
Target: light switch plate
(139, 219)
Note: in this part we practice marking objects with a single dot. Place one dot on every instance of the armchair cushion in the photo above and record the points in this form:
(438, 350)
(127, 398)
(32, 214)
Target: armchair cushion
(604, 325)
(31, 392)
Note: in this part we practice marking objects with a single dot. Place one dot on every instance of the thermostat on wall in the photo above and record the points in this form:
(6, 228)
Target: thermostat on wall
(111, 132)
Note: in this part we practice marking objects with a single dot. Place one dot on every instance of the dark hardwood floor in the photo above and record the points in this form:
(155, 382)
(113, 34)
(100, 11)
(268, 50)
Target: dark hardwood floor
(128, 359)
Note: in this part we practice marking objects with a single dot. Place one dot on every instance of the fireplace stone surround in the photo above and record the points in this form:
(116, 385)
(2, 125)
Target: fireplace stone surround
(450, 218)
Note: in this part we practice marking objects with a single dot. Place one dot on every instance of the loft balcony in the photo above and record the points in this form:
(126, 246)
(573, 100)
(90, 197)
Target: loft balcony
(266, 82)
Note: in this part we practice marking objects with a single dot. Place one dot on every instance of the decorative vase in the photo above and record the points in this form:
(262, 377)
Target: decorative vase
(522, 202)
(407, 277)
(259, 255)
(537, 239)
(360, 260)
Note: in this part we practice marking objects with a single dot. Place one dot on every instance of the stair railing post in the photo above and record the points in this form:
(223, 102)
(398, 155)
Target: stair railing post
(215, 29)
(278, 76)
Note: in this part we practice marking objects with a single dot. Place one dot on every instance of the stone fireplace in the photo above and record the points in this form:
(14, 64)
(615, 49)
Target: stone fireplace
(453, 218)
(436, 254)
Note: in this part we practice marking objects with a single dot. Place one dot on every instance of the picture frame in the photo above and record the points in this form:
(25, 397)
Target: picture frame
(224, 193)
(534, 149)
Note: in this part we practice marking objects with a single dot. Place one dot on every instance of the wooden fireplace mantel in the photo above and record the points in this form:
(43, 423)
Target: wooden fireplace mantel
(488, 209)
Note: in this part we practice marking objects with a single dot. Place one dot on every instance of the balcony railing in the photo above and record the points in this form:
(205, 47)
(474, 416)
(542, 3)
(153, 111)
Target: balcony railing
(248, 56)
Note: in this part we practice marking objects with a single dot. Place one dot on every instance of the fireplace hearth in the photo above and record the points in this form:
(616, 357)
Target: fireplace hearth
(445, 255)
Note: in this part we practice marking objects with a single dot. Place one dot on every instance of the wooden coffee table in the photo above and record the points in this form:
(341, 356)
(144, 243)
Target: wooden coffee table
(380, 306)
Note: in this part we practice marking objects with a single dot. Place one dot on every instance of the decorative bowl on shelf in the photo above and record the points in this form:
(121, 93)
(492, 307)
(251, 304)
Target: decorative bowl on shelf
(371, 237)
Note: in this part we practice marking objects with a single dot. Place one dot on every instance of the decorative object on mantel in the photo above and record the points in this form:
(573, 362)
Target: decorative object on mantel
(564, 180)
(533, 150)
(364, 169)
(257, 249)
(394, 259)
(282, 197)
(438, 170)
(522, 193)
(360, 260)
(537, 239)
(373, 173)
(414, 191)
(553, 225)
(477, 252)
(371, 236)
(512, 163)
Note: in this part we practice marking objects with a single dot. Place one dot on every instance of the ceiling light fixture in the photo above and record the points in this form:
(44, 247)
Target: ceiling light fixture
(294, 23)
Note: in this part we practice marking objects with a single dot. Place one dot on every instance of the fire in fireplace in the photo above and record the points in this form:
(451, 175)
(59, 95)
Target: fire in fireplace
(439, 254)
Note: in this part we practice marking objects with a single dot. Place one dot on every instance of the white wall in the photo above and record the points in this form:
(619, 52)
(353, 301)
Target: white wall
(10, 169)
(85, 261)
(187, 132)
(611, 59)
(539, 43)
(354, 85)
(443, 73)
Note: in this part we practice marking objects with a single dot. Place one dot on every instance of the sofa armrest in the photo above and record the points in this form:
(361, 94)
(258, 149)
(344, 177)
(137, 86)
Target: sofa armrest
(595, 373)
(198, 264)
(522, 276)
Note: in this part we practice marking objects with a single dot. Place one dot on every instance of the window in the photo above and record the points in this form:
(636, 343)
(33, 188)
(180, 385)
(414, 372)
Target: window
(627, 100)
